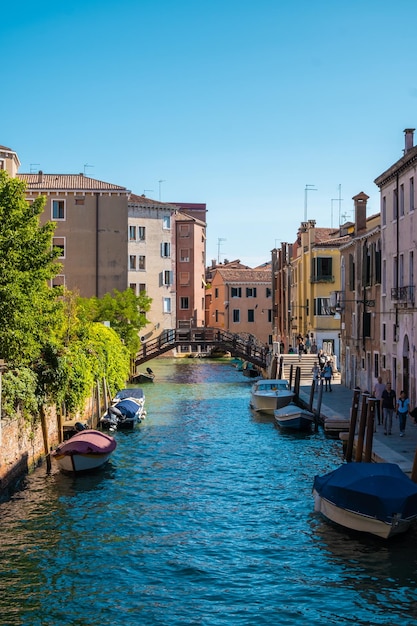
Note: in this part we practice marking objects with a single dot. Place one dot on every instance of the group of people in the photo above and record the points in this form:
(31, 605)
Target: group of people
(323, 369)
(388, 405)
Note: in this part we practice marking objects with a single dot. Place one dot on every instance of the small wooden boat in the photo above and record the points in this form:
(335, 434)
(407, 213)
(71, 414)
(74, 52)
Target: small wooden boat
(376, 498)
(143, 377)
(268, 395)
(87, 450)
(294, 417)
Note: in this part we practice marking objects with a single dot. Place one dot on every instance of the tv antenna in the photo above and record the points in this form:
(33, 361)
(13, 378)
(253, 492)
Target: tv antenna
(219, 243)
(86, 165)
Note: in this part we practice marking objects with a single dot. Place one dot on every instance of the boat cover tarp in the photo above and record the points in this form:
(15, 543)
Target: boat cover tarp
(87, 442)
(378, 490)
(128, 408)
(131, 392)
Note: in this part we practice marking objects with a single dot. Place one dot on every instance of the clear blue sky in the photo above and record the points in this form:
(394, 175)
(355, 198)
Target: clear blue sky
(239, 104)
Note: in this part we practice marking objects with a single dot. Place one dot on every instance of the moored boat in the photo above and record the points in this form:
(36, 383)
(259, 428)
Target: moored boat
(86, 450)
(376, 498)
(294, 417)
(126, 411)
(269, 395)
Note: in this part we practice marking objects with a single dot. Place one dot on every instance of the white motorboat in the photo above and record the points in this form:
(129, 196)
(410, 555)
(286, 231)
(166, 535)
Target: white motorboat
(269, 395)
(294, 417)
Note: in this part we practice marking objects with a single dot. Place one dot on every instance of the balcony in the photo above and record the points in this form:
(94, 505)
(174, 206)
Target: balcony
(403, 295)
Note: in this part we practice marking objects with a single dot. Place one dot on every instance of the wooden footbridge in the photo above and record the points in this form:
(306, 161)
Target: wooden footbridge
(237, 345)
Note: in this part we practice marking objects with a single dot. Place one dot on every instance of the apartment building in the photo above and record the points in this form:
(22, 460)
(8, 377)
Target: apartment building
(358, 302)
(398, 330)
(151, 260)
(240, 301)
(190, 263)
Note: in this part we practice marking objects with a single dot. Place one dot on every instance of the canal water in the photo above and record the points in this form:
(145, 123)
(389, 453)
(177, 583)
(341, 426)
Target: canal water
(203, 516)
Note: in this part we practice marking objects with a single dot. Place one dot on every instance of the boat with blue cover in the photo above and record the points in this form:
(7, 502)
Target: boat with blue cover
(376, 498)
(127, 410)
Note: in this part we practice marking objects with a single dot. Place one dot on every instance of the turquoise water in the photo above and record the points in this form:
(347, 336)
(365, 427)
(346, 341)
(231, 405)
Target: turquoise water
(203, 516)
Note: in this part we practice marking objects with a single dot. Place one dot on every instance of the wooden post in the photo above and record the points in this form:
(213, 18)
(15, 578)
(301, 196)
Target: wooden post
(370, 418)
(414, 470)
(352, 425)
(291, 374)
(45, 438)
(281, 365)
(361, 430)
(312, 390)
(297, 381)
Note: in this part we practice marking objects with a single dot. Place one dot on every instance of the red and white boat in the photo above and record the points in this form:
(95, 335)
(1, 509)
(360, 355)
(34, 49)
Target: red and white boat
(87, 450)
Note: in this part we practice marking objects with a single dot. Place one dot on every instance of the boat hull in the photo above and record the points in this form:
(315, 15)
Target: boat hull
(81, 462)
(357, 521)
(293, 417)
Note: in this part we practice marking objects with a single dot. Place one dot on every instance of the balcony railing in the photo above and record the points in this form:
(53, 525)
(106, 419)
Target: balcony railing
(403, 294)
(321, 278)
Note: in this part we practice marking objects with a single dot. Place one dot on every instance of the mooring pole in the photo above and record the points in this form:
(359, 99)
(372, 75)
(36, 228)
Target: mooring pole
(361, 430)
(352, 425)
(370, 418)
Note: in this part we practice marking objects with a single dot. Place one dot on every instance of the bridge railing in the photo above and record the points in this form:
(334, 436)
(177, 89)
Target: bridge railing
(235, 344)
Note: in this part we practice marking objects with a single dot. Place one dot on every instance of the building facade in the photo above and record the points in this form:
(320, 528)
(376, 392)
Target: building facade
(397, 187)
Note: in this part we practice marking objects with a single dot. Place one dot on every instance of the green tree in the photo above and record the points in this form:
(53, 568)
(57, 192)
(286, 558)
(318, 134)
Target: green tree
(125, 311)
(30, 311)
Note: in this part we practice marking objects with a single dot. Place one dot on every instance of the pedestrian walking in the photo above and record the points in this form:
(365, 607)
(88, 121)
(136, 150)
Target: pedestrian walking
(378, 391)
(388, 407)
(328, 373)
(316, 375)
(403, 409)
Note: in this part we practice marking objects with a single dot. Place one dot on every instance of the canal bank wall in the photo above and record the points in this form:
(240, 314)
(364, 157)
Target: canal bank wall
(24, 444)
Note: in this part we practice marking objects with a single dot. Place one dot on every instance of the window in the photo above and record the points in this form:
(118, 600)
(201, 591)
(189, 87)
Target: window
(384, 211)
(402, 200)
(366, 324)
(376, 364)
(322, 306)
(142, 262)
(132, 233)
(268, 292)
(142, 288)
(236, 315)
(58, 209)
(132, 286)
(141, 233)
(216, 292)
(166, 277)
(236, 292)
(384, 331)
(184, 230)
(2, 165)
(351, 272)
(322, 269)
(251, 292)
(184, 255)
(59, 242)
(411, 194)
(184, 303)
(166, 305)
(395, 204)
(165, 249)
(251, 315)
(184, 278)
(166, 222)
(132, 262)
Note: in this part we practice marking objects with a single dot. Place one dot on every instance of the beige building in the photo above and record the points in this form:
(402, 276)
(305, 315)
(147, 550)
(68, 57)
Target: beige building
(397, 187)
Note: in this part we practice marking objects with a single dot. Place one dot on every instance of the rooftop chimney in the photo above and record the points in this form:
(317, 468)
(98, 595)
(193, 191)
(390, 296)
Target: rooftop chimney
(40, 176)
(409, 139)
(360, 212)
